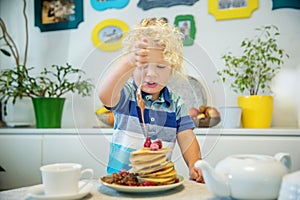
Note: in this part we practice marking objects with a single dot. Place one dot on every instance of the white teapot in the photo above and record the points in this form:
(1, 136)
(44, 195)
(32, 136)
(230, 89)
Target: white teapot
(246, 176)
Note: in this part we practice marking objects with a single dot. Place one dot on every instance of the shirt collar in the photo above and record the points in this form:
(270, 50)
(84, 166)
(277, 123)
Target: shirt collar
(164, 95)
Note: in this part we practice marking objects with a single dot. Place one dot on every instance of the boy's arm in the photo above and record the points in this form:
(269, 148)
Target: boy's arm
(191, 152)
(111, 85)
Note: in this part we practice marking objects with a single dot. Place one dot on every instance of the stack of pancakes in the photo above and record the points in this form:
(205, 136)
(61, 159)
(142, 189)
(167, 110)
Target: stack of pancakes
(153, 165)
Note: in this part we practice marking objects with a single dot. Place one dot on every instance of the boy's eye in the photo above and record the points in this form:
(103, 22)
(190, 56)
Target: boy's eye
(161, 66)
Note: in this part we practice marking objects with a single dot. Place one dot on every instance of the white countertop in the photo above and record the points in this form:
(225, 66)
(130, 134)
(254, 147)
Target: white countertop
(189, 189)
(109, 131)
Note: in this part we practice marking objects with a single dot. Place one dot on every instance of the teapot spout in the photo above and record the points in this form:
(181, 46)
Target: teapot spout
(217, 183)
(285, 159)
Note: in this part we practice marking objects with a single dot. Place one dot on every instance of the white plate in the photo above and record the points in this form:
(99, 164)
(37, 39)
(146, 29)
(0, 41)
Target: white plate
(144, 189)
(37, 192)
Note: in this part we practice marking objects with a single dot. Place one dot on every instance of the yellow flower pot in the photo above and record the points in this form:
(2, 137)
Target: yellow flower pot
(257, 111)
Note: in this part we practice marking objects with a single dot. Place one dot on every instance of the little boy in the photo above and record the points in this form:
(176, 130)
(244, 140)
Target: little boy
(153, 52)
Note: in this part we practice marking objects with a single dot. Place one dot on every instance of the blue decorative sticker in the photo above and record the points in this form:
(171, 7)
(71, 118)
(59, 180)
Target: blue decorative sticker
(107, 4)
(148, 4)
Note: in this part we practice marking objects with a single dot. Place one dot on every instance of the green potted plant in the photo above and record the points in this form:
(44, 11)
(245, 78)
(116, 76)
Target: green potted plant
(252, 73)
(45, 89)
(49, 85)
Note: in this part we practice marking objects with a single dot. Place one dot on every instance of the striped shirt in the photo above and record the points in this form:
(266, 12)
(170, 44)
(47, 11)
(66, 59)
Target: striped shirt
(164, 118)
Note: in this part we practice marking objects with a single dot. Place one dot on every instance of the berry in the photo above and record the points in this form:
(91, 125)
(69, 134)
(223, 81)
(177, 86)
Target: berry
(154, 147)
(123, 172)
(148, 183)
(158, 142)
(147, 142)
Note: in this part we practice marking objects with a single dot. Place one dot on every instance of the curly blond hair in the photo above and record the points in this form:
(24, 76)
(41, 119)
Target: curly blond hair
(161, 34)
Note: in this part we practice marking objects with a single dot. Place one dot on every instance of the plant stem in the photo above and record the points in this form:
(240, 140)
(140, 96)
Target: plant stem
(9, 42)
(26, 33)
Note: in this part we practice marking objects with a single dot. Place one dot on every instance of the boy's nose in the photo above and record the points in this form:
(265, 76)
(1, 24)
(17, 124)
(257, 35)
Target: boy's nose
(151, 69)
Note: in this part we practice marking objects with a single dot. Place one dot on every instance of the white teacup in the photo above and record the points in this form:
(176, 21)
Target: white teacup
(63, 178)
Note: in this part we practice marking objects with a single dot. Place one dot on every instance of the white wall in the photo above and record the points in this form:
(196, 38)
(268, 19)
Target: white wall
(216, 37)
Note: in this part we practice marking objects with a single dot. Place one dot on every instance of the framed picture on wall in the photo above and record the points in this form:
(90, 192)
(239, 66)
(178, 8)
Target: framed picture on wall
(107, 35)
(52, 15)
(225, 9)
(106, 4)
(186, 25)
(277, 4)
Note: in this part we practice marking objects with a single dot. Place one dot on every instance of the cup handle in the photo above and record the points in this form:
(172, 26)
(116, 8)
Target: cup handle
(86, 171)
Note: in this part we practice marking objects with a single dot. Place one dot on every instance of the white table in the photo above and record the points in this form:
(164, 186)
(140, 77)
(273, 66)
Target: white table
(90, 148)
(189, 190)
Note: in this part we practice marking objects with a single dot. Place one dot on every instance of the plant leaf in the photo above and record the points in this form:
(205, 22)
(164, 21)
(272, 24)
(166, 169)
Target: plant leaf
(5, 52)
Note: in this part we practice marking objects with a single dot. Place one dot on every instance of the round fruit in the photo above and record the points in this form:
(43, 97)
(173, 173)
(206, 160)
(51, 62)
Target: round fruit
(147, 142)
(202, 109)
(154, 147)
(212, 112)
(193, 112)
(158, 142)
(111, 118)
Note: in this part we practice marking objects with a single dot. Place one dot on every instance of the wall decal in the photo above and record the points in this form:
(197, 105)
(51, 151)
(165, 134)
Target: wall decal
(186, 25)
(286, 4)
(148, 4)
(224, 9)
(107, 35)
(107, 4)
(58, 15)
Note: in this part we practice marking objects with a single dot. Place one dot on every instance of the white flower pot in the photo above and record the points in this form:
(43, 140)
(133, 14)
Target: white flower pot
(230, 116)
(19, 114)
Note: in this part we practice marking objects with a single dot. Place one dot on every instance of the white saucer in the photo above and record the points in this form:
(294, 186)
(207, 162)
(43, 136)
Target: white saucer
(37, 192)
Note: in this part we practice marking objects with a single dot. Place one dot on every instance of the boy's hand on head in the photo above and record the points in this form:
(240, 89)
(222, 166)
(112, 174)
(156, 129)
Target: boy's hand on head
(139, 54)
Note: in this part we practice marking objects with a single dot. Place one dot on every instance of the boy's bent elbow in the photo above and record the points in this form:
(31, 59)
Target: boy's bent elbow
(104, 97)
(107, 99)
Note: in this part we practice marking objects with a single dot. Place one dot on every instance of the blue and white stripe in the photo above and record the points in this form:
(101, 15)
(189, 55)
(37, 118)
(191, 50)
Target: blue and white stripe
(164, 118)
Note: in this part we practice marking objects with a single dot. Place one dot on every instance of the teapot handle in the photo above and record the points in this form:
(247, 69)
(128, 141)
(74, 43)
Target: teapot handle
(285, 159)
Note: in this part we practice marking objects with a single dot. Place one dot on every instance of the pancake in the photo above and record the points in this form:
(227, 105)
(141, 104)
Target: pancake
(160, 180)
(146, 150)
(145, 158)
(161, 174)
(150, 168)
(148, 164)
(153, 165)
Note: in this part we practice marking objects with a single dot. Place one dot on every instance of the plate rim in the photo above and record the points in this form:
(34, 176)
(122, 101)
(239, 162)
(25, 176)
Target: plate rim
(144, 189)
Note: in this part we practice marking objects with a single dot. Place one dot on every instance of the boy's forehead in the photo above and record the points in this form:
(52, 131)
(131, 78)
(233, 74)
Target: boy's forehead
(155, 55)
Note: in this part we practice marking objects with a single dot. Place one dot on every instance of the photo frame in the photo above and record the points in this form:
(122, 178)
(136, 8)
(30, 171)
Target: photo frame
(107, 4)
(186, 25)
(58, 15)
(107, 35)
(149, 4)
(277, 4)
(224, 9)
